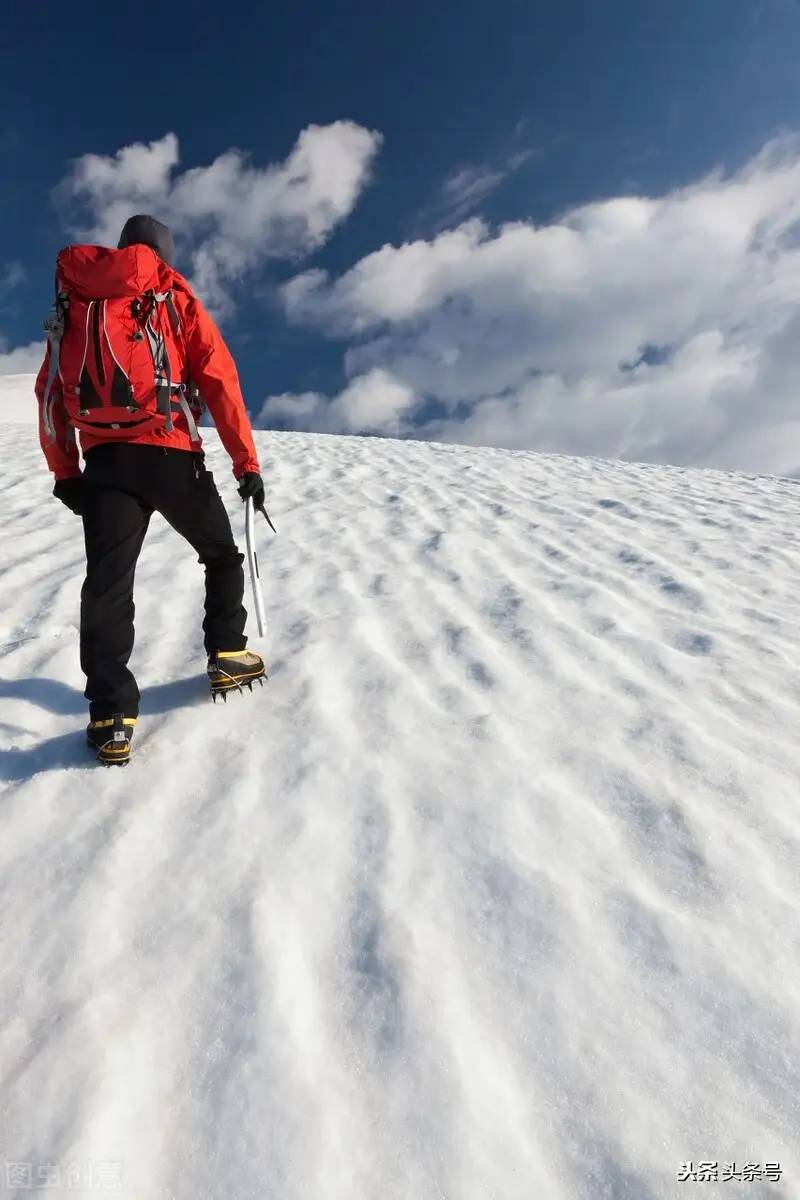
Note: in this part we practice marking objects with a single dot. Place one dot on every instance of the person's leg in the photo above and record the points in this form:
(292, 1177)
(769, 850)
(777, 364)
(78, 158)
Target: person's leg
(114, 524)
(190, 502)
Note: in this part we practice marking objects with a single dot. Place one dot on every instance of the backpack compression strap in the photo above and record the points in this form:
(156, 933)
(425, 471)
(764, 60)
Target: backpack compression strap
(54, 328)
(164, 384)
(189, 388)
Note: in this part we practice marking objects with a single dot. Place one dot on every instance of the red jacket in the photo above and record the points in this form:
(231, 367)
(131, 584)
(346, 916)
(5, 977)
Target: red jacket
(210, 367)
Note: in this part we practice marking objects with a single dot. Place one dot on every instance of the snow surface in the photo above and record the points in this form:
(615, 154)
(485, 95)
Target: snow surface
(490, 894)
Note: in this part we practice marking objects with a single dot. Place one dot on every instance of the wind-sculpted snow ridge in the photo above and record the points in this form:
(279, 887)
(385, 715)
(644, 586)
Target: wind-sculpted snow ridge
(490, 894)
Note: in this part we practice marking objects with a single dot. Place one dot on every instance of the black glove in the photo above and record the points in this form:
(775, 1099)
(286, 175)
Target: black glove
(70, 492)
(251, 485)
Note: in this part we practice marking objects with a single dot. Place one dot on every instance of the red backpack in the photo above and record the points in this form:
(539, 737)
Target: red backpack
(116, 344)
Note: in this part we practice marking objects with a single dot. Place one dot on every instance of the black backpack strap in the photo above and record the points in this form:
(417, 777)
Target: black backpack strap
(174, 319)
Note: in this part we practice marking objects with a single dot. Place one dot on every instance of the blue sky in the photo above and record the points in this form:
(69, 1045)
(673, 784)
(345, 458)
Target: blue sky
(506, 112)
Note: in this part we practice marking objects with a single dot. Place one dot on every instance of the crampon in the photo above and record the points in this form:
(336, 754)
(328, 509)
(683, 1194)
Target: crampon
(111, 738)
(230, 671)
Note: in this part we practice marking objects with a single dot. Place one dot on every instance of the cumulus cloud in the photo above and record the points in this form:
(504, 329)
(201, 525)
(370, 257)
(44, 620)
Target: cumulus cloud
(230, 216)
(375, 402)
(22, 359)
(17, 398)
(650, 328)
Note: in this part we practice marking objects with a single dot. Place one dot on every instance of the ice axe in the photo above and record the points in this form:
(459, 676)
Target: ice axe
(252, 560)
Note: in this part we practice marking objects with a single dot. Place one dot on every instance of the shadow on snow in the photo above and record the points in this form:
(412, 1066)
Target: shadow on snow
(68, 749)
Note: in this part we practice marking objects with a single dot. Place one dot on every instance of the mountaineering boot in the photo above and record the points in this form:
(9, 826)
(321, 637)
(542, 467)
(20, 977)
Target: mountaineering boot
(229, 669)
(111, 739)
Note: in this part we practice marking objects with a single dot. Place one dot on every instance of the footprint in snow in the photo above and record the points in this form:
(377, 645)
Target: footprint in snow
(699, 644)
(619, 508)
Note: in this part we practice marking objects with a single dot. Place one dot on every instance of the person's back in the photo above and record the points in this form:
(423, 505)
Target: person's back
(131, 350)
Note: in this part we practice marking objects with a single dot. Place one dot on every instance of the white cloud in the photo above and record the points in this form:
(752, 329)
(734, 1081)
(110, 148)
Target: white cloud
(375, 402)
(657, 328)
(465, 188)
(230, 215)
(17, 399)
(21, 360)
(372, 403)
(11, 276)
(292, 407)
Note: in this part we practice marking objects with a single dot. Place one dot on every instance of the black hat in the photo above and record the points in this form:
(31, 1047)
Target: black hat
(147, 231)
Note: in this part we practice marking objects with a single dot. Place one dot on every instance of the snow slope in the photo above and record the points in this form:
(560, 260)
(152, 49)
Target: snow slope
(491, 893)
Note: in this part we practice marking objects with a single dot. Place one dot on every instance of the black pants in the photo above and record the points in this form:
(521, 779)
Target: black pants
(124, 485)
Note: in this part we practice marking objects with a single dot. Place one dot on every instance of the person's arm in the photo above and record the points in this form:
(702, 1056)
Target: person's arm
(62, 453)
(212, 368)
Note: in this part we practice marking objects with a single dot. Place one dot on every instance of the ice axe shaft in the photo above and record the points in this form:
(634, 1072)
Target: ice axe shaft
(252, 560)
